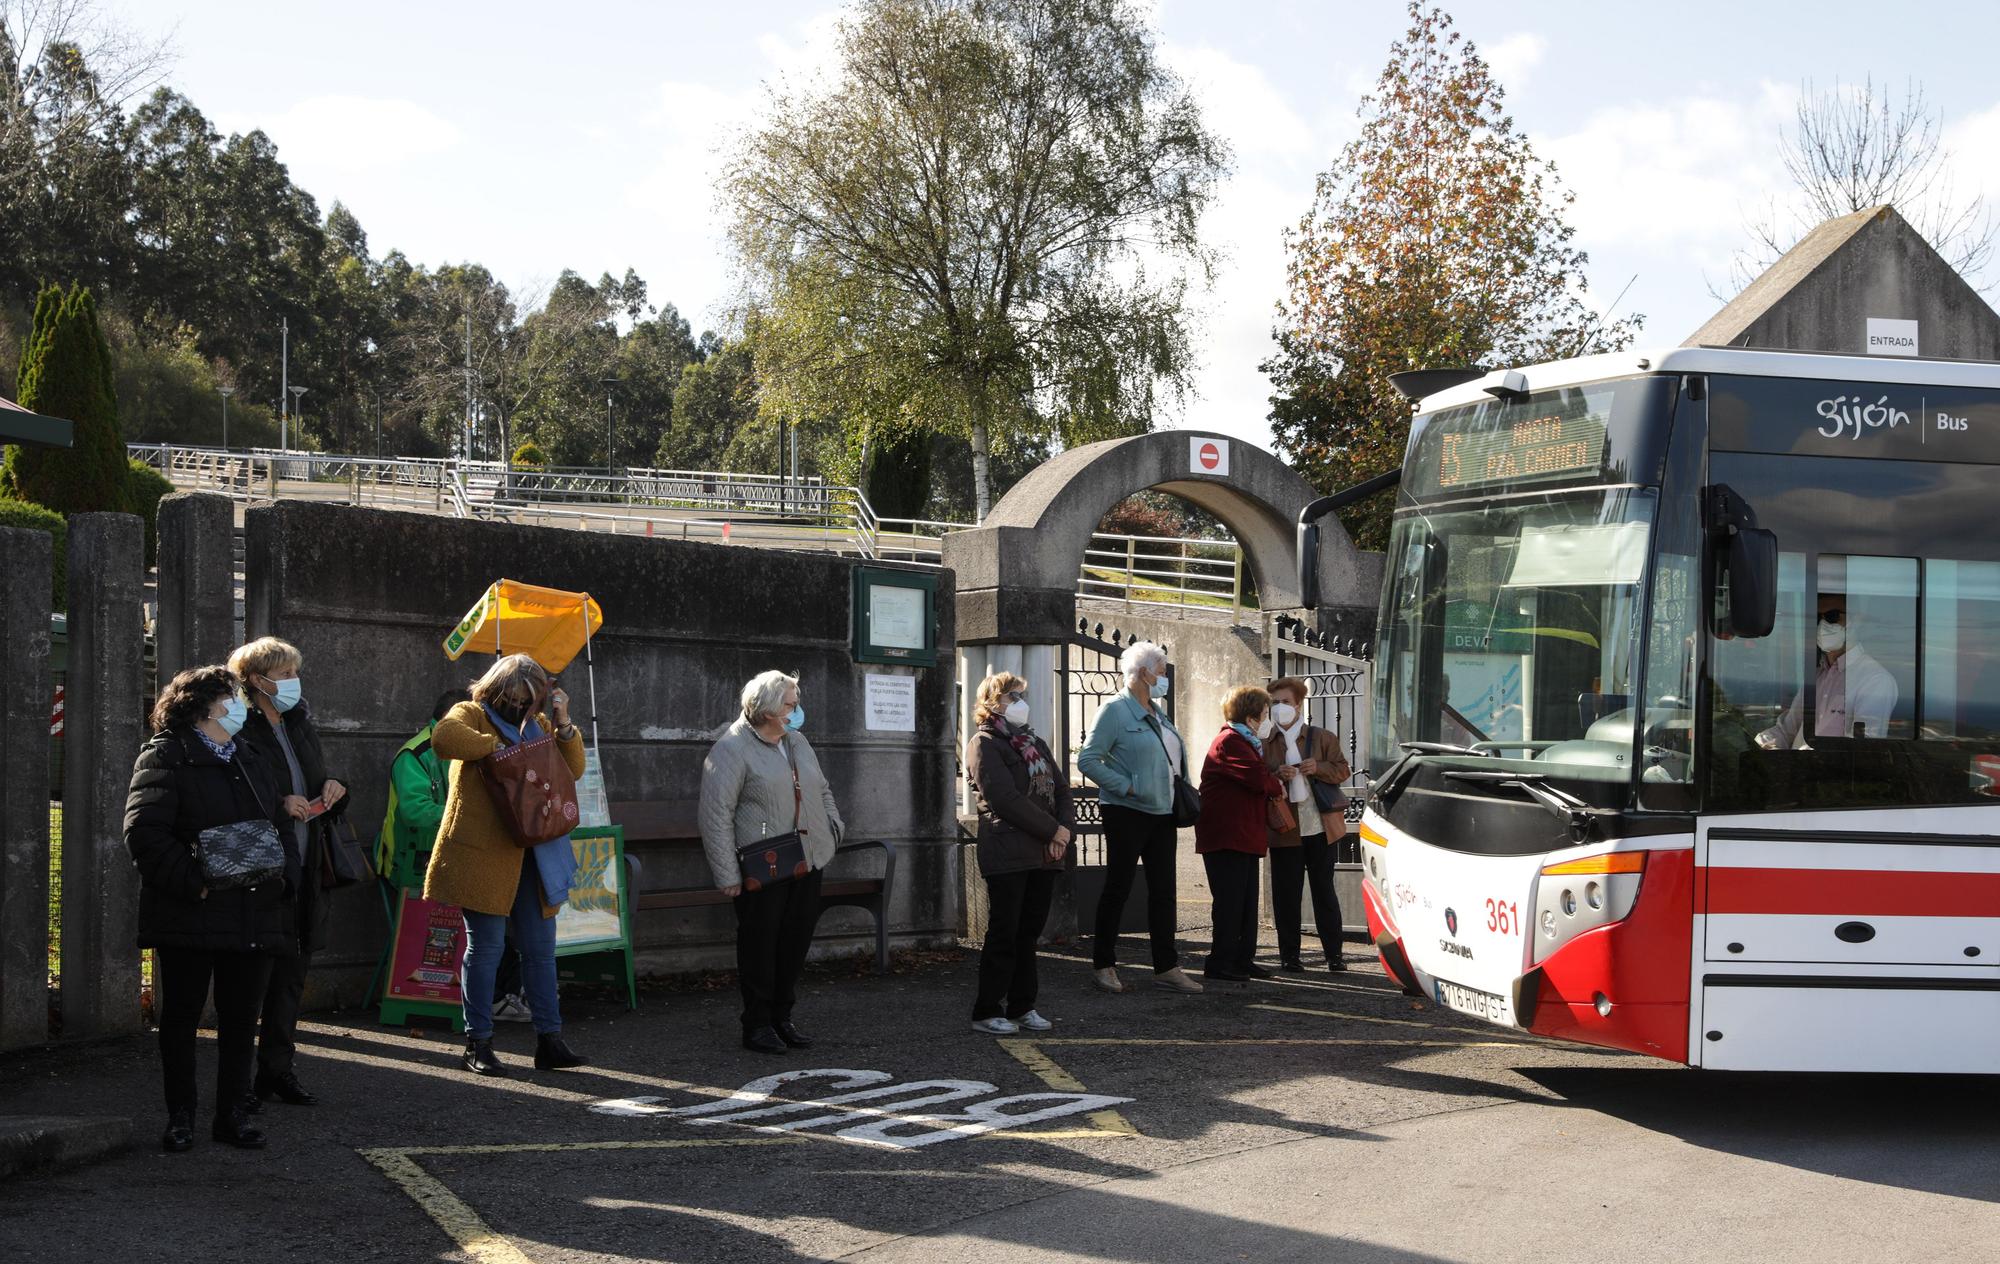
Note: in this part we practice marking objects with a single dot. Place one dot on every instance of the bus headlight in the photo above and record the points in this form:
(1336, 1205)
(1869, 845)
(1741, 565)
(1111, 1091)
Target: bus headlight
(1609, 882)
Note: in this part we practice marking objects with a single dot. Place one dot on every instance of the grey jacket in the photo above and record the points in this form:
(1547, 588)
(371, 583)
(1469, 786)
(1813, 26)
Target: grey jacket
(746, 795)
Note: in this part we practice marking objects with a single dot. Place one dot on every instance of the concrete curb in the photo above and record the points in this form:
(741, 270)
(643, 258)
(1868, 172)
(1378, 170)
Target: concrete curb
(48, 1143)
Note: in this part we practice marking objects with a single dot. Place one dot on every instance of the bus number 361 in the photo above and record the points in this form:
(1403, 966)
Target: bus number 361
(1503, 918)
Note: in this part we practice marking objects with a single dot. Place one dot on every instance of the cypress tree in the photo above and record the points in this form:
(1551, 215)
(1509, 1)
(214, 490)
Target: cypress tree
(66, 372)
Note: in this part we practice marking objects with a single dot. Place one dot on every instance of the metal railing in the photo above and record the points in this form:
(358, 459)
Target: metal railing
(758, 510)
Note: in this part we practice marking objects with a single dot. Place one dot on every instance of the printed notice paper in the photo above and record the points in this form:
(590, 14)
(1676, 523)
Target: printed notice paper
(891, 704)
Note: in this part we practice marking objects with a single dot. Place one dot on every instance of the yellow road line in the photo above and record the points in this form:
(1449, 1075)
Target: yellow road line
(1170, 1042)
(463, 1225)
(1044, 1068)
(1357, 1018)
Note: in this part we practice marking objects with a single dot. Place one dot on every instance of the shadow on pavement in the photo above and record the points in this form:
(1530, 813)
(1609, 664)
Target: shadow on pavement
(1932, 1134)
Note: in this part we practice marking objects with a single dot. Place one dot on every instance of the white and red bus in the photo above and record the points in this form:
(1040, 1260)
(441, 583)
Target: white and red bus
(1686, 731)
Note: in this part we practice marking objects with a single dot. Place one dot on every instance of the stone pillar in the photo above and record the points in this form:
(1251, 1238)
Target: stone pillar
(197, 584)
(25, 697)
(104, 694)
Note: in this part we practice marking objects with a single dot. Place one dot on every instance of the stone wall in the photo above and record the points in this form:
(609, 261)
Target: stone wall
(368, 596)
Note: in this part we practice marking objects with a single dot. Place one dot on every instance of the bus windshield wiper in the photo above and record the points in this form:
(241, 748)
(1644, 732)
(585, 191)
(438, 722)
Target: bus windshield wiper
(1579, 816)
(1400, 771)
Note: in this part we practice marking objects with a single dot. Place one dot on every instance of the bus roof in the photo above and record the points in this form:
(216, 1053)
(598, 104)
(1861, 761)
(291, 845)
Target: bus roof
(1890, 370)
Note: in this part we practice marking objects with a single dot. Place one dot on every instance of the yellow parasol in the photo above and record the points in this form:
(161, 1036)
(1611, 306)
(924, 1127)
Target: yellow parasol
(547, 624)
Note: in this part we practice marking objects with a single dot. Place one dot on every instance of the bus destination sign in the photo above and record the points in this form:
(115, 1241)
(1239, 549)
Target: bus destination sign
(1524, 450)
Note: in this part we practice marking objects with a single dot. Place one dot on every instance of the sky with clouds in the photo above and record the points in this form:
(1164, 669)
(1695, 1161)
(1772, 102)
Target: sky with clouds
(534, 138)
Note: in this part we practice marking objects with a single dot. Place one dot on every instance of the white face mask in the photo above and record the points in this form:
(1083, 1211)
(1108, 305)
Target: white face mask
(1832, 638)
(1284, 713)
(1264, 728)
(1017, 713)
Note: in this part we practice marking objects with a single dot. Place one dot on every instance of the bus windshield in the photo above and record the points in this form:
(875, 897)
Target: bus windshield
(1511, 625)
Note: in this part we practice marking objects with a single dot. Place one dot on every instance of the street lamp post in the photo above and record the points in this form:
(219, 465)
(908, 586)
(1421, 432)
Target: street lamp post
(296, 392)
(610, 384)
(226, 392)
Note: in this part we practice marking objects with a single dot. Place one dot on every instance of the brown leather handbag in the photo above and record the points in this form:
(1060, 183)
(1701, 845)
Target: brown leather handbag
(1279, 815)
(533, 790)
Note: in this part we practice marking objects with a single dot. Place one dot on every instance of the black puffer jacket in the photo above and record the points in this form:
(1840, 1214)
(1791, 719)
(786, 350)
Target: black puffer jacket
(313, 906)
(180, 788)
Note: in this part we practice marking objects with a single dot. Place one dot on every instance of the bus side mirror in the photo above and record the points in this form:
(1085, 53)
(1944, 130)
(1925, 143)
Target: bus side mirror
(1309, 565)
(1750, 560)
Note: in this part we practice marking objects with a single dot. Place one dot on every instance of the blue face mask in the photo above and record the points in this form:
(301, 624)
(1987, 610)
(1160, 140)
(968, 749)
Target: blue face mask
(797, 719)
(287, 695)
(1160, 687)
(231, 720)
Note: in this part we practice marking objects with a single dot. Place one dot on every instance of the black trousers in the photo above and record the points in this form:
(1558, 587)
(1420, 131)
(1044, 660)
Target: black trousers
(774, 927)
(1017, 907)
(1130, 837)
(1294, 870)
(1232, 885)
(183, 976)
(278, 1046)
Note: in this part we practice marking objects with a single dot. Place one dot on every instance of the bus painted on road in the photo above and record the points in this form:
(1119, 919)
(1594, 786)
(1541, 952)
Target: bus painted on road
(1686, 728)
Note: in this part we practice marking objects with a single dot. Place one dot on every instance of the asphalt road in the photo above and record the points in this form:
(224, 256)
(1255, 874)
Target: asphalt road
(1307, 1118)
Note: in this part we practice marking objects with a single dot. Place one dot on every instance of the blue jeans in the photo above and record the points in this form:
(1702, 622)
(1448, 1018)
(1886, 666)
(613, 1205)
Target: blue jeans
(534, 936)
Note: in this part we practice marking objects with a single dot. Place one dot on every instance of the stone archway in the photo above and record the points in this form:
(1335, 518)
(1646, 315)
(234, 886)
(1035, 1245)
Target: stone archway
(1017, 571)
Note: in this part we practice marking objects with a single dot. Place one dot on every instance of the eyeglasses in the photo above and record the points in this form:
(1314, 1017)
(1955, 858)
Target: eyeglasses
(1835, 617)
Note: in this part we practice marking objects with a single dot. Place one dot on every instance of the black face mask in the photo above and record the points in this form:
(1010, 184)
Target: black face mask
(513, 712)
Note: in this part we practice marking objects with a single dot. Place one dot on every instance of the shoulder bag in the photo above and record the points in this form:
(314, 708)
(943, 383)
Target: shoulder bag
(1187, 800)
(343, 860)
(1327, 798)
(768, 861)
(532, 789)
(241, 853)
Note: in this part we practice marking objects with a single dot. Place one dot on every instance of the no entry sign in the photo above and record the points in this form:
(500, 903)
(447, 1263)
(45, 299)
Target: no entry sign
(1208, 456)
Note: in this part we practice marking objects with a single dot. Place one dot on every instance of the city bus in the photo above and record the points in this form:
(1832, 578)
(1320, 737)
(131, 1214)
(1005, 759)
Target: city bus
(1686, 707)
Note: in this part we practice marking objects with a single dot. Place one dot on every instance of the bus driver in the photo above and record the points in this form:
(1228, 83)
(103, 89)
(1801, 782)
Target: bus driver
(1852, 691)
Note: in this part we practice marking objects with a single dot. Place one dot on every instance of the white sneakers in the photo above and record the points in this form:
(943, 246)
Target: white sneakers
(1008, 1026)
(1175, 980)
(1107, 978)
(511, 1009)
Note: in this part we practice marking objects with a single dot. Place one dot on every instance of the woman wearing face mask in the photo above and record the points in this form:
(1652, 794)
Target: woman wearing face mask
(1236, 791)
(280, 729)
(495, 882)
(1025, 822)
(1302, 857)
(195, 775)
(761, 781)
(1133, 755)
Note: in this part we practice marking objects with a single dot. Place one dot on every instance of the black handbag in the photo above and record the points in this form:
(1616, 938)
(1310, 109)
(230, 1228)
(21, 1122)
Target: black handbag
(782, 857)
(240, 854)
(343, 860)
(1187, 800)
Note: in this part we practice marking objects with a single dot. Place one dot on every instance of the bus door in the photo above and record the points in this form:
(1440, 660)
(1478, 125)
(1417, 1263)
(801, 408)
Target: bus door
(1848, 893)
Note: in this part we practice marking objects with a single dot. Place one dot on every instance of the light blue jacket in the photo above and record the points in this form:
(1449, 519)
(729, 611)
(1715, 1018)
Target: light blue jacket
(1126, 759)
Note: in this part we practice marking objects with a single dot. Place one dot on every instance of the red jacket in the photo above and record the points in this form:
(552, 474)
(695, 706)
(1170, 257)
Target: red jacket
(1235, 787)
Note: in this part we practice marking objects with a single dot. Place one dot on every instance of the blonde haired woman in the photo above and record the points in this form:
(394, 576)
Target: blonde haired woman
(279, 730)
(1025, 823)
(495, 882)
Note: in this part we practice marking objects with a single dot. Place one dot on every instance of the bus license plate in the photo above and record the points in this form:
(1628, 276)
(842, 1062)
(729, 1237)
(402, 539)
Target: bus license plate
(1494, 1009)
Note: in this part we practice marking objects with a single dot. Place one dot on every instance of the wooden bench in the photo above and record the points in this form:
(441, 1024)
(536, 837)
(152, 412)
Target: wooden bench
(673, 822)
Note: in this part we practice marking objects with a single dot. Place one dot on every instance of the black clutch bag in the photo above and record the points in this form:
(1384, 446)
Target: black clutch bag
(781, 857)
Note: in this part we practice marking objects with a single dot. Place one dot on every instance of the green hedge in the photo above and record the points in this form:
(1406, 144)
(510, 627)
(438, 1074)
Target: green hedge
(20, 513)
(144, 487)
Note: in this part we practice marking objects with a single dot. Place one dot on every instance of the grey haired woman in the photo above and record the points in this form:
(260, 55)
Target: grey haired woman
(761, 781)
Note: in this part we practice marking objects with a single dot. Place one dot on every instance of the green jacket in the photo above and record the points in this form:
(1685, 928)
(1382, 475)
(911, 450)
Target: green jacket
(417, 790)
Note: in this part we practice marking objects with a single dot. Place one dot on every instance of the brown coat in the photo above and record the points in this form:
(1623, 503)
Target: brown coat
(477, 864)
(1325, 751)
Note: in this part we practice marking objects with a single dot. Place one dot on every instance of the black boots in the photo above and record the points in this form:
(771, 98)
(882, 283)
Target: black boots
(792, 1035)
(233, 1127)
(179, 1136)
(552, 1054)
(481, 1060)
(764, 1040)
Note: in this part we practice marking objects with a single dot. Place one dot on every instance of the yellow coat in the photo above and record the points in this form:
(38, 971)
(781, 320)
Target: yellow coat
(476, 863)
